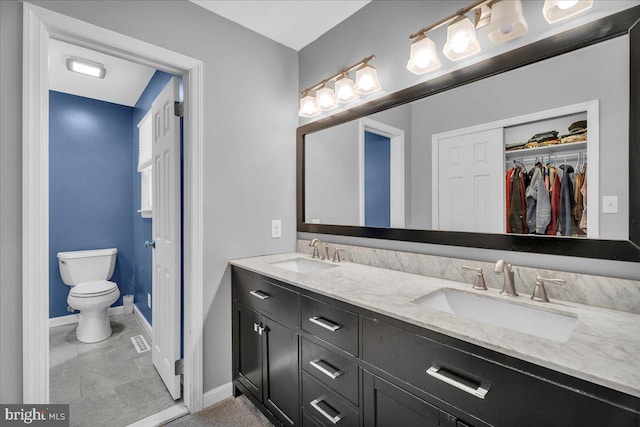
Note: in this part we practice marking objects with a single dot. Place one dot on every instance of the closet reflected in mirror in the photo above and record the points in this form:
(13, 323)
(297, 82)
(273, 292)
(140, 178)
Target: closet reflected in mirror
(452, 161)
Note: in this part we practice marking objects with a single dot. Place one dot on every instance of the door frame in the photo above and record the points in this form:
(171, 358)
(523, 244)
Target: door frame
(397, 178)
(40, 25)
(592, 109)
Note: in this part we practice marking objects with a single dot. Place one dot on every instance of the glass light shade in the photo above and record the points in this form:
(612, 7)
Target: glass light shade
(308, 106)
(507, 21)
(367, 80)
(424, 57)
(345, 89)
(557, 10)
(461, 39)
(85, 67)
(326, 99)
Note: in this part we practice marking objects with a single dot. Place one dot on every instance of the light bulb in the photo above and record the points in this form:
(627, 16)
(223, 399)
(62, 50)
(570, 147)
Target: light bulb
(325, 98)
(459, 43)
(507, 21)
(345, 89)
(308, 106)
(367, 80)
(567, 4)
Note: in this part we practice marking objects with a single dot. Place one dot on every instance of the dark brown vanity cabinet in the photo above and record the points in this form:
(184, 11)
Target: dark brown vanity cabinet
(266, 351)
(306, 359)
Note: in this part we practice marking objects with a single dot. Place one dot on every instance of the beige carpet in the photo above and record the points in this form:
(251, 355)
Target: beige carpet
(228, 413)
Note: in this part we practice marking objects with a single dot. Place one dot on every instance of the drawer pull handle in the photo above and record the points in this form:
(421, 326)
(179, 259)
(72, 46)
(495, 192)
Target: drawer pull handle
(324, 367)
(259, 294)
(324, 323)
(479, 391)
(332, 418)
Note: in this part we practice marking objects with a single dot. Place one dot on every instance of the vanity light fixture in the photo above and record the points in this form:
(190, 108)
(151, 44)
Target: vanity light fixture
(557, 10)
(89, 68)
(424, 57)
(461, 39)
(507, 21)
(346, 90)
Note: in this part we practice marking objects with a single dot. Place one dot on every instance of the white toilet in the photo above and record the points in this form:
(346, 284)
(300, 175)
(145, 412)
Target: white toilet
(88, 272)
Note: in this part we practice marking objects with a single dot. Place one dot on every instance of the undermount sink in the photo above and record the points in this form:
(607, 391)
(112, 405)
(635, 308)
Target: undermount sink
(530, 320)
(303, 265)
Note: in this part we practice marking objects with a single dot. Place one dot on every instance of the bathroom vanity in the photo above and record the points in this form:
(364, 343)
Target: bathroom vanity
(318, 343)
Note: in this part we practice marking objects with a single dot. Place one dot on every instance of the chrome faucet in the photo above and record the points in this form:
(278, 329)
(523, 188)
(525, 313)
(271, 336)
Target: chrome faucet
(478, 282)
(509, 287)
(539, 292)
(314, 245)
(324, 254)
(336, 255)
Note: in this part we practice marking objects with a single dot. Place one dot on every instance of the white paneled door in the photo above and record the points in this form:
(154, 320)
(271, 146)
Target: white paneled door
(166, 235)
(469, 183)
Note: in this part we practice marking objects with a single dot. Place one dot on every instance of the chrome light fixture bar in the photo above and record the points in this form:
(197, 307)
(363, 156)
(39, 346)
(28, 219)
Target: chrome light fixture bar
(346, 90)
(88, 68)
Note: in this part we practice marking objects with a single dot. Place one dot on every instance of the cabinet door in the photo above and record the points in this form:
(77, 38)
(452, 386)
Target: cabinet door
(249, 351)
(386, 405)
(281, 394)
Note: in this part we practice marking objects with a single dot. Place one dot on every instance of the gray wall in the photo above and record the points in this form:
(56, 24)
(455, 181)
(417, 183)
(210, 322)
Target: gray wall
(382, 28)
(568, 79)
(249, 153)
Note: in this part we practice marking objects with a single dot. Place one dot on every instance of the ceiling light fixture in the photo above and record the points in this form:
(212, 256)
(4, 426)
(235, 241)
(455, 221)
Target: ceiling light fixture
(424, 57)
(557, 10)
(88, 68)
(461, 39)
(346, 90)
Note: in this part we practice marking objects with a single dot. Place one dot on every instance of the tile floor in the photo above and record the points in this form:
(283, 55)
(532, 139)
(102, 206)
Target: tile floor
(106, 383)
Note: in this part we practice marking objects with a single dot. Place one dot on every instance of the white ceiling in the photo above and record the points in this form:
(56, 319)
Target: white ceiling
(293, 23)
(123, 84)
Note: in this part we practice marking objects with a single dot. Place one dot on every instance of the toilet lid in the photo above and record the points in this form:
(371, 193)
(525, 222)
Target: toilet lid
(93, 289)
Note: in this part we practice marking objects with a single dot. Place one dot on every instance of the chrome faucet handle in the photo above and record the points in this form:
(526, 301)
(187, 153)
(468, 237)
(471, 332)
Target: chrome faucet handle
(478, 283)
(314, 245)
(509, 286)
(539, 292)
(336, 255)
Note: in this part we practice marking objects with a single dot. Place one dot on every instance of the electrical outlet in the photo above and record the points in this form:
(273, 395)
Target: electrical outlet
(149, 300)
(276, 228)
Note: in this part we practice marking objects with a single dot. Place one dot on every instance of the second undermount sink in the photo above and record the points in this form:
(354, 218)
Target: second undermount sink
(530, 320)
(303, 265)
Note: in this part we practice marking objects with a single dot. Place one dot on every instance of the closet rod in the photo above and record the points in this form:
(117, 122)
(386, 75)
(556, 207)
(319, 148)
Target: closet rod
(554, 158)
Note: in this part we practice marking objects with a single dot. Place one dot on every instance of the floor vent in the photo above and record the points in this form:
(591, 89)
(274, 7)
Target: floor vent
(140, 344)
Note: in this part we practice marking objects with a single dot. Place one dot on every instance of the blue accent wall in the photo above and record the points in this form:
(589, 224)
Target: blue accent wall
(377, 180)
(90, 192)
(142, 226)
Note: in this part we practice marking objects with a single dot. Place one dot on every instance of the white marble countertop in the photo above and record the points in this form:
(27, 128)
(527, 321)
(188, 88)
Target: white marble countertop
(604, 346)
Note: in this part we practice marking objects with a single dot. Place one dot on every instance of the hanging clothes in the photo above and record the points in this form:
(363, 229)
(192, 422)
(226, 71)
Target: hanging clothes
(518, 205)
(565, 220)
(583, 190)
(552, 229)
(538, 203)
(508, 197)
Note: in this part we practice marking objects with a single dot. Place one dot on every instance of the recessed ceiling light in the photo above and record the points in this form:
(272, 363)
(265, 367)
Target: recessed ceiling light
(85, 67)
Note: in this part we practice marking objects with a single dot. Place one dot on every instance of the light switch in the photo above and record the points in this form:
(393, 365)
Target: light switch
(276, 228)
(610, 204)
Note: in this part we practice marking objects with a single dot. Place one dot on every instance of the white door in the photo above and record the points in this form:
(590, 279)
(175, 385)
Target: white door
(468, 185)
(166, 234)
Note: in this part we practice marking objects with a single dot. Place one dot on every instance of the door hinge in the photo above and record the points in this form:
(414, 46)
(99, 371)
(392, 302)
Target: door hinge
(178, 108)
(179, 367)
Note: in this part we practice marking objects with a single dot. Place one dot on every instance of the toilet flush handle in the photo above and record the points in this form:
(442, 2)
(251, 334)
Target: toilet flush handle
(150, 244)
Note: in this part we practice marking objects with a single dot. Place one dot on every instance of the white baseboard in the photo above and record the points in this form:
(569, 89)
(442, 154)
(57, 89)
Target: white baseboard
(143, 320)
(218, 394)
(162, 417)
(73, 318)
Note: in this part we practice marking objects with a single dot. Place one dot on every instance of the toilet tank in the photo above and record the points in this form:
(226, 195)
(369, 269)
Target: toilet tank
(86, 266)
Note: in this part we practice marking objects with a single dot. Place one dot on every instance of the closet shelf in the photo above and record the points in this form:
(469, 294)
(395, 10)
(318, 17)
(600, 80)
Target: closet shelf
(549, 149)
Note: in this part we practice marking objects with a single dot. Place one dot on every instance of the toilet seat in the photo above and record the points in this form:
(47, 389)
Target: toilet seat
(93, 289)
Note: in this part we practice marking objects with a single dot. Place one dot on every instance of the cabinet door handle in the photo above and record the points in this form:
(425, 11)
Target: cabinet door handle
(332, 418)
(259, 294)
(324, 323)
(325, 368)
(452, 379)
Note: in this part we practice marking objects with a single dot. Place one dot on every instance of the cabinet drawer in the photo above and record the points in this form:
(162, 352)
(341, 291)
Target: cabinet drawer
(333, 370)
(492, 392)
(325, 406)
(280, 303)
(332, 324)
